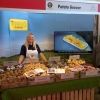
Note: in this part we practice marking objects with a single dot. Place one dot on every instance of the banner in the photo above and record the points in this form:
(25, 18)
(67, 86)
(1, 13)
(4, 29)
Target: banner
(23, 4)
(68, 6)
(18, 25)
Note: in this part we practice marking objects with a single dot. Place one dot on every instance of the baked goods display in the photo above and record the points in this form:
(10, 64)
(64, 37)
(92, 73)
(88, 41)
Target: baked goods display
(34, 73)
(83, 68)
(57, 64)
(33, 66)
(37, 69)
(79, 65)
(19, 75)
(12, 78)
(75, 62)
(75, 65)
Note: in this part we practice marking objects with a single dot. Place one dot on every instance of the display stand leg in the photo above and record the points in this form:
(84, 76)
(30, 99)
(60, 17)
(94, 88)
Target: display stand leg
(63, 96)
(48, 97)
(76, 94)
(39, 98)
(92, 94)
(53, 96)
(44, 98)
(88, 94)
(72, 95)
(58, 96)
(67, 96)
(80, 94)
(84, 94)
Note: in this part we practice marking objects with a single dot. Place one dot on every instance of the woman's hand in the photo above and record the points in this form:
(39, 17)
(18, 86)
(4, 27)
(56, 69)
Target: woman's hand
(21, 59)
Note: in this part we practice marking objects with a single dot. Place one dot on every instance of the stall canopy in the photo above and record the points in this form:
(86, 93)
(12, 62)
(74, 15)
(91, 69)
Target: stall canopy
(54, 6)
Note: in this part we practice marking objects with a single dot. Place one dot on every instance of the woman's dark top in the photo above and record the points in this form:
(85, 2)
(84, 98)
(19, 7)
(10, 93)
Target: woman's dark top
(30, 47)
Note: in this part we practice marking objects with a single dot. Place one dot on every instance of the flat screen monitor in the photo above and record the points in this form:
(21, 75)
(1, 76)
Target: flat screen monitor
(73, 42)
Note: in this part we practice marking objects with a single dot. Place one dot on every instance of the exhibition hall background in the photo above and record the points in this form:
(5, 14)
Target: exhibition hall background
(42, 26)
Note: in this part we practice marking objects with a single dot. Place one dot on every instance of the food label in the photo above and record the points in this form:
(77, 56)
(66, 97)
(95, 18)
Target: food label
(56, 58)
(74, 57)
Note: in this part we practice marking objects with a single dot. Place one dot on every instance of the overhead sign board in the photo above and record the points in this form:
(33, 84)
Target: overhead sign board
(71, 6)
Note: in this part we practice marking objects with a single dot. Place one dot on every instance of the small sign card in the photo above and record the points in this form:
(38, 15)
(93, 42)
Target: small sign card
(55, 58)
(74, 57)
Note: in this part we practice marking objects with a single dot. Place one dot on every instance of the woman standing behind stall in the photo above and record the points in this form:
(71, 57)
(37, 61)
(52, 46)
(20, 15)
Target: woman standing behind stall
(30, 51)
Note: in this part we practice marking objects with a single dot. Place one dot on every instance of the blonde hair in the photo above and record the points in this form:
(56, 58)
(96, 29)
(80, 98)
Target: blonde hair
(26, 42)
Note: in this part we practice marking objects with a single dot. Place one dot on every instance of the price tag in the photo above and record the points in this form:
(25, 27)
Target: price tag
(74, 57)
(56, 58)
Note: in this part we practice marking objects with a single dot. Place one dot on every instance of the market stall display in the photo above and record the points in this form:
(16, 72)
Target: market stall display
(70, 79)
(41, 73)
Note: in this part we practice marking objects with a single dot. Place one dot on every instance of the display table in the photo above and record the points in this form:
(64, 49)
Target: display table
(45, 89)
